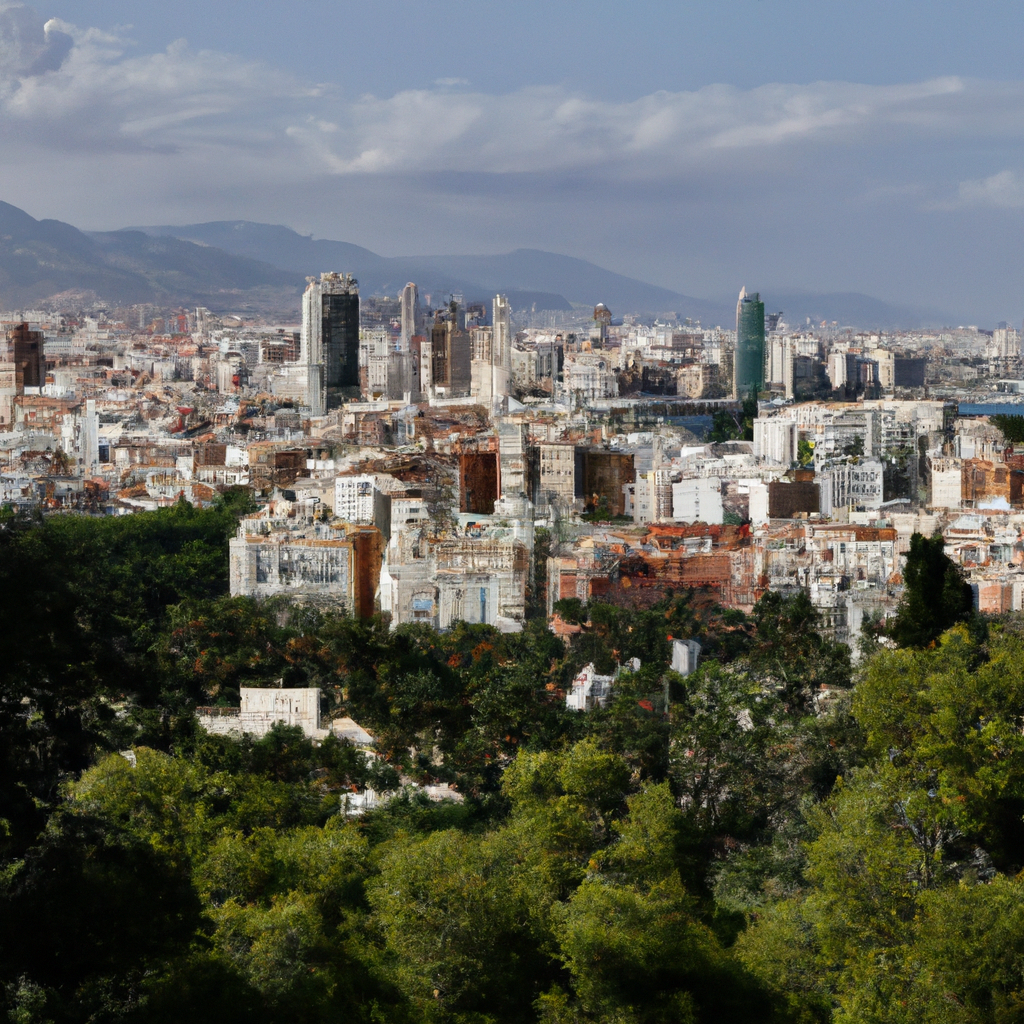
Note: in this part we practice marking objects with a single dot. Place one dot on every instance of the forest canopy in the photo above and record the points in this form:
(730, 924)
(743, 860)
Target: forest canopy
(779, 836)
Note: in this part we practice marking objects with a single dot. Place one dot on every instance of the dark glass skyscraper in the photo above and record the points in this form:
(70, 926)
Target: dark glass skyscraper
(748, 361)
(340, 330)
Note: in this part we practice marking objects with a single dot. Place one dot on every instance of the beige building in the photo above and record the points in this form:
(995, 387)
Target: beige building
(946, 477)
(264, 707)
(311, 560)
(556, 478)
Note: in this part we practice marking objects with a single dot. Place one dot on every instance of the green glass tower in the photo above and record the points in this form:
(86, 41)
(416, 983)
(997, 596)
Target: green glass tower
(748, 361)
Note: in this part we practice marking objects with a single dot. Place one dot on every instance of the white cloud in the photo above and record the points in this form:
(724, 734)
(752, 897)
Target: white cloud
(67, 88)
(547, 128)
(28, 46)
(1004, 190)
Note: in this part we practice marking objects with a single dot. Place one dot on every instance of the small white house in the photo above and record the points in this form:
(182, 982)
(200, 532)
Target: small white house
(590, 690)
(263, 707)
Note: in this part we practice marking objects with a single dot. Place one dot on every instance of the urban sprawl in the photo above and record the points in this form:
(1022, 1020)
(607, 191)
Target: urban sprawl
(439, 460)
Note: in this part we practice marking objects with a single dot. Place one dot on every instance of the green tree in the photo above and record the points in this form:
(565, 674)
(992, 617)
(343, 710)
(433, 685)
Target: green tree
(631, 939)
(453, 927)
(88, 912)
(735, 426)
(970, 939)
(854, 448)
(789, 652)
(723, 735)
(1011, 427)
(949, 719)
(936, 594)
(903, 878)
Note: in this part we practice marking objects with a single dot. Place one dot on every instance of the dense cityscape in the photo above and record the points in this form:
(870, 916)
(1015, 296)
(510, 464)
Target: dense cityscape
(511, 515)
(402, 453)
(419, 582)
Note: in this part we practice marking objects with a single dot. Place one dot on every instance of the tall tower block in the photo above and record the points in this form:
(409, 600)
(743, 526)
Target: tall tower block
(501, 348)
(748, 361)
(339, 295)
(410, 314)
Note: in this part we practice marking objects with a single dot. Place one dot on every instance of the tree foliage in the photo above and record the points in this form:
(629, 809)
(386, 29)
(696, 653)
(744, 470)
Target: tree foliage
(936, 594)
(776, 836)
(1011, 427)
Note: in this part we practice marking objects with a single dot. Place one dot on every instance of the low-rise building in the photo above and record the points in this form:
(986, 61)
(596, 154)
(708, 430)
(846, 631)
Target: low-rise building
(264, 707)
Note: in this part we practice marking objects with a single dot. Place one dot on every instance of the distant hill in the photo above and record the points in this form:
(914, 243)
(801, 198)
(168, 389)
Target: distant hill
(849, 309)
(554, 278)
(525, 271)
(233, 265)
(43, 258)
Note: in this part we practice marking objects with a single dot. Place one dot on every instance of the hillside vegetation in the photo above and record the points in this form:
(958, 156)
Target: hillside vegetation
(773, 838)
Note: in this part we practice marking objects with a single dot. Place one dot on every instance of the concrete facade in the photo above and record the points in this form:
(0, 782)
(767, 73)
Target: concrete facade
(318, 565)
(697, 501)
(264, 707)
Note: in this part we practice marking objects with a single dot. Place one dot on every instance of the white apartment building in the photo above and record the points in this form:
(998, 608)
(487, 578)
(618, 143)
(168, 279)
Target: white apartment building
(886, 367)
(946, 482)
(776, 440)
(589, 377)
(557, 474)
(697, 500)
(375, 348)
(264, 707)
(315, 562)
(353, 498)
(853, 482)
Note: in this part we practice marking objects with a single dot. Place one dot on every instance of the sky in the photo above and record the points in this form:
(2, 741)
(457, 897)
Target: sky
(875, 147)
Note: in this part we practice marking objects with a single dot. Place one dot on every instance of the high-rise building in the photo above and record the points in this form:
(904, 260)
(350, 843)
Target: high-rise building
(330, 336)
(780, 360)
(492, 356)
(90, 437)
(22, 365)
(501, 348)
(748, 362)
(311, 349)
(410, 314)
(25, 350)
(340, 332)
(602, 321)
(421, 367)
(452, 352)
(440, 334)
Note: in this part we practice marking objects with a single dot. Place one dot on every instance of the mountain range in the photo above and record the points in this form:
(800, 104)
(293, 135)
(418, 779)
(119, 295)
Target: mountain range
(44, 259)
(239, 265)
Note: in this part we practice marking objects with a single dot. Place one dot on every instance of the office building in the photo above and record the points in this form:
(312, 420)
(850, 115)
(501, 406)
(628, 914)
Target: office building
(451, 352)
(501, 348)
(23, 366)
(330, 328)
(310, 369)
(329, 346)
(340, 306)
(25, 350)
(748, 363)
(492, 356)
